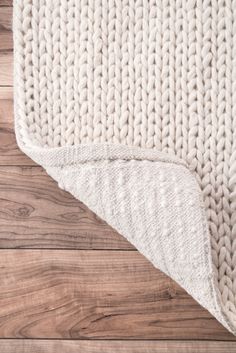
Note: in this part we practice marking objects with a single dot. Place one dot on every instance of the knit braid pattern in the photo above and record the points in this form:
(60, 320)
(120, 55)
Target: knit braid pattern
(156, 75)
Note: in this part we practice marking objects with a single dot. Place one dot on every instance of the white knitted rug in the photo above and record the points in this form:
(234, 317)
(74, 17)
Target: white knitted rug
(131, 106)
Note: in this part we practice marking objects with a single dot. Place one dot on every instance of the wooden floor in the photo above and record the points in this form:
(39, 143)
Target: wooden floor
(68, 282)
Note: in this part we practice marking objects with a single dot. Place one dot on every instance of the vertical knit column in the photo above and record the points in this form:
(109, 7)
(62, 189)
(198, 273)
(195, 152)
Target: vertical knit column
(111, 131)
(232, 161)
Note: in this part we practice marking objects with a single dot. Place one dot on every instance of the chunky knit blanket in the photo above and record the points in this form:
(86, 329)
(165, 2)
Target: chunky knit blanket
(131, 106)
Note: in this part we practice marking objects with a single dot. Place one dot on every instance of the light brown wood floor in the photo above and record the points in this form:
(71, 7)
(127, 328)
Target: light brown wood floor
(68, 282)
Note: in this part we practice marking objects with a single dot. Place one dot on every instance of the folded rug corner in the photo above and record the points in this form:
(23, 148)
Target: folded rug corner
(131, 107)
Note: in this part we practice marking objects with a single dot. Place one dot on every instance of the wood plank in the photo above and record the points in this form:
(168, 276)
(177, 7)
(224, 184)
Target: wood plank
(10, 154)
(6, 18)
(96, 294)
(6, 72)
(102, 346)
(6, 93)
(6, 45)
(6, 2)
(6, 40)
(35, 213)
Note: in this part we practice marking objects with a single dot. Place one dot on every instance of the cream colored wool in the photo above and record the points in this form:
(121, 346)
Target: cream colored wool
(131, 107)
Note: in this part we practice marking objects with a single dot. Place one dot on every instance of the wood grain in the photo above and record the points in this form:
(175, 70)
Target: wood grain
(6, 93)
(6, 72)
(101, 346)
(6, 2)
(95, 294)
(35, 213)
(6, 41)
(6, 18)
(10, 154)
(6, 45)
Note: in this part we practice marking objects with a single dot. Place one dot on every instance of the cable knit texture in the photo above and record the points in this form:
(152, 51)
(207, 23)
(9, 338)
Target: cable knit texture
(131, 106)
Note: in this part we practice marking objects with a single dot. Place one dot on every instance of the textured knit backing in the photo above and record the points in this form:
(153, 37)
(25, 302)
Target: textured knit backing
(152, 74)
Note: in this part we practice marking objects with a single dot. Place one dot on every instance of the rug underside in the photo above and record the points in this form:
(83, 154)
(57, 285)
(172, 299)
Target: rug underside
(131, 107)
